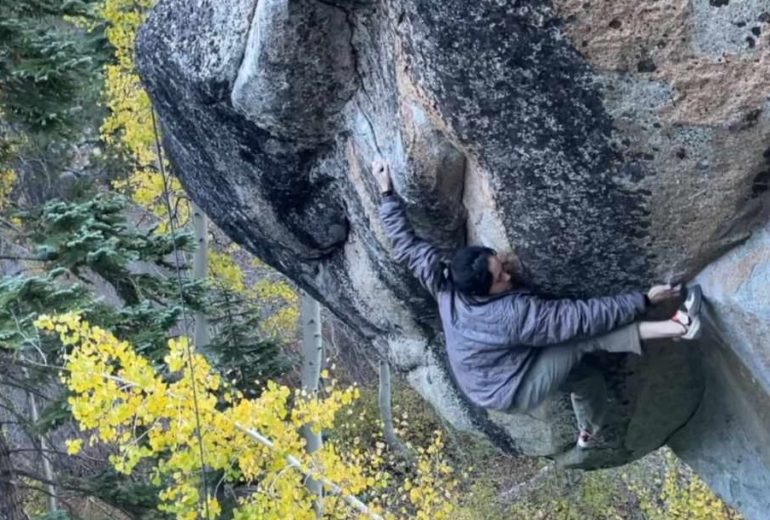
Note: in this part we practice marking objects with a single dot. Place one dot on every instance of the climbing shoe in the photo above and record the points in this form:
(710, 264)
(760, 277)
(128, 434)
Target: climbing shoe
(690, 323)
(692, 303)
(588, 441)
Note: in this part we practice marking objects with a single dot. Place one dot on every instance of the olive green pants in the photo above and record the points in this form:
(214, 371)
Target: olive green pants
(558, 367)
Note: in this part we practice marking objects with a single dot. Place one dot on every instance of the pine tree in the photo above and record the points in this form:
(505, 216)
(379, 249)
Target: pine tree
(50, 87)
(44, 63)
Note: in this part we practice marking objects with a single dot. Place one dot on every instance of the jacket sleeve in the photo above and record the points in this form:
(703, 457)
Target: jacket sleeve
(421, 257)
(538, 322)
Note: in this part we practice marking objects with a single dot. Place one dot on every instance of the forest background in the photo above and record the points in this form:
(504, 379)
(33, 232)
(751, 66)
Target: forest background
(150, 368)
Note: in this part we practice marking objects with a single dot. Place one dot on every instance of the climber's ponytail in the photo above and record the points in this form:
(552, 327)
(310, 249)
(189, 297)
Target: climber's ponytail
(467, 273)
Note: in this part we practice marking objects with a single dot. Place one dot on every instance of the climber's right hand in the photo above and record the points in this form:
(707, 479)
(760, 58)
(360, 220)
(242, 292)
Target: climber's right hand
(381, 172)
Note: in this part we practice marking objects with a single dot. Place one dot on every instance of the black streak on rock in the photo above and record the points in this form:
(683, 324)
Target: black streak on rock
(538, 100)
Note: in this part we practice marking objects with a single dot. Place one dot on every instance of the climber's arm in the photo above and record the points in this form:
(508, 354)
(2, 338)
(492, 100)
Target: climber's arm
(539, 322)
(422, 258)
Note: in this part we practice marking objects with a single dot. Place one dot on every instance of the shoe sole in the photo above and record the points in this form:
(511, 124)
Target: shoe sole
(693, 331)
(694, 299)
(592, 444)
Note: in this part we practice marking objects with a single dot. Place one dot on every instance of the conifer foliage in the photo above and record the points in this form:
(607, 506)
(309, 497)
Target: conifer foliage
(43, 64)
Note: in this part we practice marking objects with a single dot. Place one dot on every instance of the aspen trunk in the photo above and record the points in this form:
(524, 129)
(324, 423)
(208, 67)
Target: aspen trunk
(44, 453)
(386, 412)
(312, 359)
(200, 271)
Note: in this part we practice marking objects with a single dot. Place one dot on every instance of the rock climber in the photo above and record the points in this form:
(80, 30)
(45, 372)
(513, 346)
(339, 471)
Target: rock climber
(510, 349)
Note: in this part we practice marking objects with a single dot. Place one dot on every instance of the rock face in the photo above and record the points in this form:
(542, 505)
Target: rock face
(728, 438)
(611, 144)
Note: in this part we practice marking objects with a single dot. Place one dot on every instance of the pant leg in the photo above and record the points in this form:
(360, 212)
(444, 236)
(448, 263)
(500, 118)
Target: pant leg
(622, 340)
(553, 365)
(586, 384)
(588, 393)
(548, 372)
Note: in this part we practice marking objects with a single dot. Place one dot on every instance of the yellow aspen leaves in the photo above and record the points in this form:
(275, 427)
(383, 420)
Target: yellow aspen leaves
(131, 113)
(691, 500)
(129, 125)
(284, 303)
(74, 446)
(7, 182)
(224, 269)
(118, 397)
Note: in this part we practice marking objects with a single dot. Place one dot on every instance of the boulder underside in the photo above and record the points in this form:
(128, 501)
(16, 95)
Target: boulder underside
(610, 146)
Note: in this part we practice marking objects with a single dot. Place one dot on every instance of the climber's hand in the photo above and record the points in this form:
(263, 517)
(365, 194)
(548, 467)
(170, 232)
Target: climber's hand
(661, 293)
(381, 172)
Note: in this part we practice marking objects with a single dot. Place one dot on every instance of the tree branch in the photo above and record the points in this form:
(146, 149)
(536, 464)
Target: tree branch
(23, 258)
(293, 462)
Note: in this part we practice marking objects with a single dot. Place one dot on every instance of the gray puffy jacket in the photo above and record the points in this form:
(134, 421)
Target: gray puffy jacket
(492, 342)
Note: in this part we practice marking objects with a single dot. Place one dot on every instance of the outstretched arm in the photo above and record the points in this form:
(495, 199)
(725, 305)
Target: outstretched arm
(538, 322)
(421, 257)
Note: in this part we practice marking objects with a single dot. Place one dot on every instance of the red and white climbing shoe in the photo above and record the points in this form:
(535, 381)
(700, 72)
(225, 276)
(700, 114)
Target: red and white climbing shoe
(587, 440)
(690, 323)
(584, 440)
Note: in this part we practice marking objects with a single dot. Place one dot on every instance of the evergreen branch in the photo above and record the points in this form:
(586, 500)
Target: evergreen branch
(20, 258)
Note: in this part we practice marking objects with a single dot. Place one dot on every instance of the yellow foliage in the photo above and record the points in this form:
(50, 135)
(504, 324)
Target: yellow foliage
(119, 398)
(130, 122)
(74, 446)
(282, 323)
(685, 499)
(146, 188)
(275, 291)
(276, 297)
(7, 182)
(129, 125)
(284, 302)
(225, 271)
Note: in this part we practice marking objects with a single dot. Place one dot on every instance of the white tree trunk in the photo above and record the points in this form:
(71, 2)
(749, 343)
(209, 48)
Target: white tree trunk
(312, 360)
(200, 271)
(386, 412)
(44, 453)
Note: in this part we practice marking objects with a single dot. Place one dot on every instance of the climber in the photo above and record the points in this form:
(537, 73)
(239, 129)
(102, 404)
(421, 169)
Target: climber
(508, 348)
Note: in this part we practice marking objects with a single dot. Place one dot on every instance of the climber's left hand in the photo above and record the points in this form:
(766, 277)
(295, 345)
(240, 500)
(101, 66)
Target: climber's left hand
(661, 293)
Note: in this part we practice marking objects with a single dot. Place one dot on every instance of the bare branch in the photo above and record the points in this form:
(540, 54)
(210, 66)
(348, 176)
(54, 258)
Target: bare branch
(328, 484)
